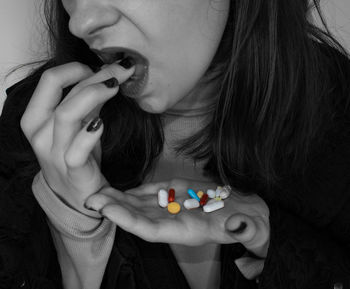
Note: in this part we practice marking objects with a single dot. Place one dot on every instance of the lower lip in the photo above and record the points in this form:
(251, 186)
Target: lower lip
(135, 85)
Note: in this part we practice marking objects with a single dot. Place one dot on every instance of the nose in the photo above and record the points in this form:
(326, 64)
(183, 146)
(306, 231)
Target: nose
(90, 17)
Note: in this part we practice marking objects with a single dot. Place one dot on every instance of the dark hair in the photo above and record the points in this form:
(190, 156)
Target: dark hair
(274, 68)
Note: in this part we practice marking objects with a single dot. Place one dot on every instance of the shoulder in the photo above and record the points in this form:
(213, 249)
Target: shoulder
(15, 151)
(18, 165)
(322, 189)
(19, 94)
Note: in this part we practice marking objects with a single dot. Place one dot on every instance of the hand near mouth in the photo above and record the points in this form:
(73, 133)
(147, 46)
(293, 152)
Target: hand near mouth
(69, 154)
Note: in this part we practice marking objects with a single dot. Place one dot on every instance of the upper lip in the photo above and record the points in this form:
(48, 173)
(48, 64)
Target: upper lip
(111, 54)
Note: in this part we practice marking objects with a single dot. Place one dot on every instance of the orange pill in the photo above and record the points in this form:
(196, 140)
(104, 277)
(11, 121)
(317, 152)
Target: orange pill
(171, 197)
(200, 194)
(174, 208)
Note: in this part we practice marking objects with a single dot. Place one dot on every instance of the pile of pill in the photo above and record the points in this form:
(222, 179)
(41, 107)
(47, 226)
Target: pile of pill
(166, 199)
(210, 201)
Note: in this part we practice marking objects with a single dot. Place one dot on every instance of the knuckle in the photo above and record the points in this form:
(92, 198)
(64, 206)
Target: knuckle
(25, 125)
(49, 75)
(61, 114)
(109, 73)
(38, 142)
(79, 65)
(91, 91)
(72, 160)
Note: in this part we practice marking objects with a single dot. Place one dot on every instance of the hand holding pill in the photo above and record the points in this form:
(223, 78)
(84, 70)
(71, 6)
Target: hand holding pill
(243, 219)
(65, 133)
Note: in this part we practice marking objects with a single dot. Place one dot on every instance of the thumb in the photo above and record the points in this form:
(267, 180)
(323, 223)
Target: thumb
(252, 233)
(99, 200)
(241, 227)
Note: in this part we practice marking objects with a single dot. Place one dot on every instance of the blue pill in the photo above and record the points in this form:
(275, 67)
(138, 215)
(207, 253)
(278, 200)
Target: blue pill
(193, 194)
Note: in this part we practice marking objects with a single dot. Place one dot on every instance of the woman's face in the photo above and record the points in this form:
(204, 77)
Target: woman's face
(171, 41)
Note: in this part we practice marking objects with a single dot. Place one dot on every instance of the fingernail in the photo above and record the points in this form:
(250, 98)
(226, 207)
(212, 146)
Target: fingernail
(111, 83)
(127, 62)
(240, 229)
(94, 125)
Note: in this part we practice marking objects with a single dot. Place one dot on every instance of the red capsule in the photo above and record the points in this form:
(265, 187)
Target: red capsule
(171, 197)
(203, 200)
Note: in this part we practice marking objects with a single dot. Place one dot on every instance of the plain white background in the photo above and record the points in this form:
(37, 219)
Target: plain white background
(23, 35)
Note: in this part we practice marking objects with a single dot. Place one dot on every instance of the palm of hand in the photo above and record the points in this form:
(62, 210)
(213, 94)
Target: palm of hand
(137, 211)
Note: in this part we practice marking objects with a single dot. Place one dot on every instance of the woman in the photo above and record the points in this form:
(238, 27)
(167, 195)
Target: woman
(192, 94)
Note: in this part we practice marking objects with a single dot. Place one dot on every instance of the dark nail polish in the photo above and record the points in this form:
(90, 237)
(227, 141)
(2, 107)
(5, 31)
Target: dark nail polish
(94, 125)
(240, 229)
(127, 63)
(111, 83)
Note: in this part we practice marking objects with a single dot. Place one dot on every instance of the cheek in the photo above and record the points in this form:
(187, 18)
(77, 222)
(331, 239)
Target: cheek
(181, 58)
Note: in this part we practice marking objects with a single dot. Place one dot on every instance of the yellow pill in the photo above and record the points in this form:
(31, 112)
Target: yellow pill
(174, 208)
(200, 194)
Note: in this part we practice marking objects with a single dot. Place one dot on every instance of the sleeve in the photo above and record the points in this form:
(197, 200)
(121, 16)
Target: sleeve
(27, 255)
(303, 256)
(310, 222)
(83, 243)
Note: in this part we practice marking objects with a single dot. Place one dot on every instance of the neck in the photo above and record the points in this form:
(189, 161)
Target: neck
(201, 99)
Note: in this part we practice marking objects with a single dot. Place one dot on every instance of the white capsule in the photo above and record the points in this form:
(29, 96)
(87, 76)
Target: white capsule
(225, 193)
(211, 193)
(211, 207)
(191, 204)
(218, 191)
(163, 198)
(211, 201)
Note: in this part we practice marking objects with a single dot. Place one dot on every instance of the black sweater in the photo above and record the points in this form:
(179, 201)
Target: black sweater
(310, 220)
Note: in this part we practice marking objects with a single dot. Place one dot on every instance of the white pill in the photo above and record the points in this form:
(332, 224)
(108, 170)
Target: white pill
(225, 193)
(218, 191)
(191, 204)
(213, 206)
(211, 201)
(211, 193)
(163, 198)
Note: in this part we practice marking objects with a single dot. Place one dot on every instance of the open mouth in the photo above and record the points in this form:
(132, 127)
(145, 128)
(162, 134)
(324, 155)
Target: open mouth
(134, 86)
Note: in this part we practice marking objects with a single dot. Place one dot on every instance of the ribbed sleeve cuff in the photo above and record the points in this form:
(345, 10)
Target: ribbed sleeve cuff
(65, 219)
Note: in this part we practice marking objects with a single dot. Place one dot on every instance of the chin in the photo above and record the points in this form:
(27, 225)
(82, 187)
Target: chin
(151, 104)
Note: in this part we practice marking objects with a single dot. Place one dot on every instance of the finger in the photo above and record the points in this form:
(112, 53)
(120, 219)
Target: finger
(68, 116)
(241, 227)
(41, 140)
(76, 157)
(98, 201)
(148, 189)
(70, 113)
(107, 72)
(111, 196)
(48, 93)
(152, 228)
(250, 267)
(132, 221)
